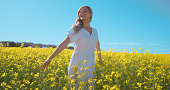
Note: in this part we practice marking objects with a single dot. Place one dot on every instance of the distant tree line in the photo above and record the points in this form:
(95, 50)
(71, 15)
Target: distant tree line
(28, 44)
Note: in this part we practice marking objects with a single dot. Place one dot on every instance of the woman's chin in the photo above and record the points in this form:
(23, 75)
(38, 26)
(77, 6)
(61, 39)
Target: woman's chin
(83, 19)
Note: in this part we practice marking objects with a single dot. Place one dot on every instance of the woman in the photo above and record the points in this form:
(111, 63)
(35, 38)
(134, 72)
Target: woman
(85, 39)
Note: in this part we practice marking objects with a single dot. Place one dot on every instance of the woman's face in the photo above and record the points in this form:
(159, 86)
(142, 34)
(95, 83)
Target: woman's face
(84, 13)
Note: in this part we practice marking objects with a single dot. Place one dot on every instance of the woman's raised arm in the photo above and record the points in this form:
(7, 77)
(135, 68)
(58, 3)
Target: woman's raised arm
(59, 48)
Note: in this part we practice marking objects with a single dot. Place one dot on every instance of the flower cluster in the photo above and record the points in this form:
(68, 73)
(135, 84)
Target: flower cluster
(20, 69)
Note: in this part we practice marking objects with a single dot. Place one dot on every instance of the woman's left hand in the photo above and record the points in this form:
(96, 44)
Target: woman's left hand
(100, 61)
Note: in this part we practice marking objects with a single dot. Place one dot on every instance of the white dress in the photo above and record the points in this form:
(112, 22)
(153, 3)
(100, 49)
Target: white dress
(84, 45)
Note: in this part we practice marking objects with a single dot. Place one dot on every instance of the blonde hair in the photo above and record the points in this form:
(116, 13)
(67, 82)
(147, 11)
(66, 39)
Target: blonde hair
(79, 22)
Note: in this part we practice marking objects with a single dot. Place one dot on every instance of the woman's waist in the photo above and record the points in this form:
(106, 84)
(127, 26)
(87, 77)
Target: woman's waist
(91, 50)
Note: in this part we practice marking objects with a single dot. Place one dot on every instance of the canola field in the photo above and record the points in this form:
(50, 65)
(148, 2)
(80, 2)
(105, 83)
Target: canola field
(20, 70)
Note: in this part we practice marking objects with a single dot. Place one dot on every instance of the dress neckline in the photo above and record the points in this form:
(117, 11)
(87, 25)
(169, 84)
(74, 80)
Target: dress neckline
(88, 32)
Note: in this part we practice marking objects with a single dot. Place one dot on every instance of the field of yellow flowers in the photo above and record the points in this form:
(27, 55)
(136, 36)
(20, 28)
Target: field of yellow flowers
(20, 69)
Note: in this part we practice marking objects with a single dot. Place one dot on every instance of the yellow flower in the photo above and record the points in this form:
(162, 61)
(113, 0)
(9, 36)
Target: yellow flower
(36, 75)
(22, 85)
(86, 68)
(94, 79)
(12, 81)
(125, 50)
(73, 88)
(119, 66)
(27, 82)
(60, 78)
(82, 83)
(83, 73)
(76, 69)
(73, 66)
(64, 88)
(145, 87)
(3, 84)
(85, 61)
(132, 48)
(99, 81)
(93, 72)
(91, 87)
(105, 86)
(15, 74)
(81, 68)
(80, 88)
(139, 84)
(52, 78)
(68, 79)
(73, 81)
(52, 85)
(90, 80)
(115, 87)
(107, 76)
(79, 76)
(112, 73)
(4, 74)
(8, 86)
(72, 76)
(140, 49)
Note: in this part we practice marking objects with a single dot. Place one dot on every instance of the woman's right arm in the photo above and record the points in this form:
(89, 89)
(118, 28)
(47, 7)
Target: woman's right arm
(60, 48)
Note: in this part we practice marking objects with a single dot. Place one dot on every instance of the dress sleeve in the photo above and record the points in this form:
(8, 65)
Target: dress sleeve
(72, 35)
(97, 35)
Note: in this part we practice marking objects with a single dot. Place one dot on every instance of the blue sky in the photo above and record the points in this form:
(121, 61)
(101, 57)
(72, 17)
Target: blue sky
(121, 24)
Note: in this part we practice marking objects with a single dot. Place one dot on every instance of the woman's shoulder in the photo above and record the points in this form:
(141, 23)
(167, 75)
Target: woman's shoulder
(95, 29)
(71, 29)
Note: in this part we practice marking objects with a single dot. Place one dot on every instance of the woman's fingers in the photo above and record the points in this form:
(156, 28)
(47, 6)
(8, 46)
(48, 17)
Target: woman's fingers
(42, 66)
(45, 64)
(100, 62)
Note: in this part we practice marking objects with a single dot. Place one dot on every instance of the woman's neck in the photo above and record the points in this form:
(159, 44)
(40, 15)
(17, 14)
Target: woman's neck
(86, 24)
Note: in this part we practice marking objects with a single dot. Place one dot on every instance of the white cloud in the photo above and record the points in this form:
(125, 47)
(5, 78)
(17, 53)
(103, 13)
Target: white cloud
(122, 43)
